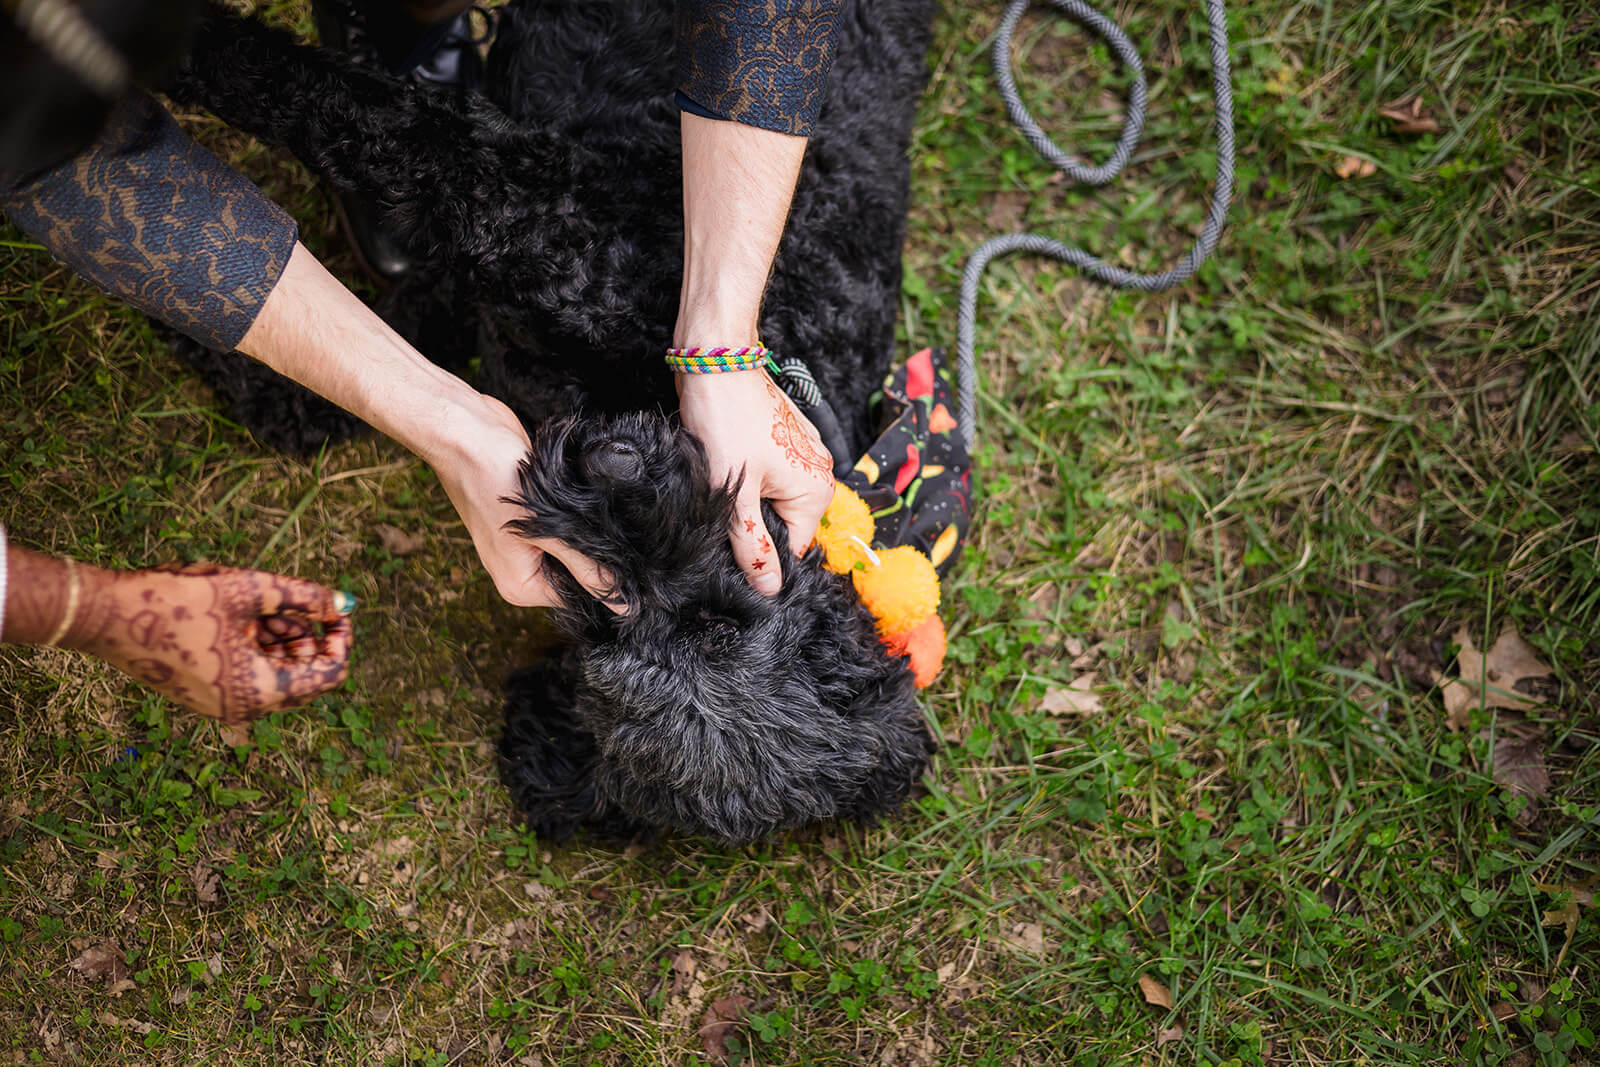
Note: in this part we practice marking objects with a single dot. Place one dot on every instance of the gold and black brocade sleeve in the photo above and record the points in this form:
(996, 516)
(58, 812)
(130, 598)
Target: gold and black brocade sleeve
(760, 62)
(151, 217)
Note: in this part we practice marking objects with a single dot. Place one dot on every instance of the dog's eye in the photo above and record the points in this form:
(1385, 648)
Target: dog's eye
(612, 461)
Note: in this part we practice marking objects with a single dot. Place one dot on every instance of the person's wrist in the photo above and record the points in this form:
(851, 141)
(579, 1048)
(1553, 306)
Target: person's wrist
(709, 319)
(465, 433)
(724, 383)
(95, 605)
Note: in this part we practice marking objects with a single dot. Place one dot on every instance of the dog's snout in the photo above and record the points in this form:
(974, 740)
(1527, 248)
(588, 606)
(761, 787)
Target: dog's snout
(612, 461)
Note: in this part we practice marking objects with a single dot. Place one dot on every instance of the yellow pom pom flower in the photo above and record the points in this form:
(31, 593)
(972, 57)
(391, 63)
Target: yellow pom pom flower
(846, 526)
(901, 589)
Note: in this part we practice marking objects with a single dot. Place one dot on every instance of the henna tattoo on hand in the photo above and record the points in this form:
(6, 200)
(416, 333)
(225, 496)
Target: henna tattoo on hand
(800, 444)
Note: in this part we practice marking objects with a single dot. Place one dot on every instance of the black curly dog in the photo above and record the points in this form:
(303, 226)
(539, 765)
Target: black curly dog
(547, 216)
(708, 708)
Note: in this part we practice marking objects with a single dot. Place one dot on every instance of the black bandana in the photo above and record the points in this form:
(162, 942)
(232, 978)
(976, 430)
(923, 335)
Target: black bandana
(917, 476)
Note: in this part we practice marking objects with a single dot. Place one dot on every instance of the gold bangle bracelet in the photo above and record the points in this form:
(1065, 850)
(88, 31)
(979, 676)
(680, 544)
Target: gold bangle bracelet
(72, 603)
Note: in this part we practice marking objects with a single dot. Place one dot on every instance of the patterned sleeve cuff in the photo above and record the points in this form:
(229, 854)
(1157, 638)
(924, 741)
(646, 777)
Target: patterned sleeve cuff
(151, 217)
(760, 62)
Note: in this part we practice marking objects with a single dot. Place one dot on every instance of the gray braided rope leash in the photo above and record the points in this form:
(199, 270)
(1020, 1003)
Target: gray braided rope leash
(1132, 128)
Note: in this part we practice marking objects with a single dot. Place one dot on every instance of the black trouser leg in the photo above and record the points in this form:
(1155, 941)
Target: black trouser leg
(405, 33)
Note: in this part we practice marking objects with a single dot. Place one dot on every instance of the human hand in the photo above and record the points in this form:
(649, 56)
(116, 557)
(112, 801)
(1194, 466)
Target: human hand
(227, 643)
(747, 423)
(480, 476)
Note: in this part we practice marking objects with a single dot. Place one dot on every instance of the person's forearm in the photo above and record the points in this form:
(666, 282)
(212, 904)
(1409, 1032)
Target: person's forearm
(737, 184)
(315, 331)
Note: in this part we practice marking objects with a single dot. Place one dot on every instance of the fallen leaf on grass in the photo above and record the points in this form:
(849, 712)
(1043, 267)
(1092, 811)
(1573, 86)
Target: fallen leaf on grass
(235, 736)
(206, 883)
(1026, 937)
(683, 968)
(722, 1020)
(1519, 763)
(1408, 116)
(1490, 677)
(1154, 992)
(1169, 1035)
(105, 1018)
(1078, 698)
(1005, 210)
(1579, 896)
(1355, 167)
(102, 961)
(396, 541)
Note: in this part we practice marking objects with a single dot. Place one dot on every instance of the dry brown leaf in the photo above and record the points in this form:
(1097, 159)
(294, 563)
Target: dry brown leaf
(396, 541)
(1169, 1035)
(1026, 937)
(105, 1018)
(1078, 698)
(1409, 116)
(236, 735)
(1581, 895)
(683, 968)
(1503, 1012)
(1355, 167)
(1154, 992)
(102, 961)
(1519, 765)
(1005, 210)
(1490, 677)
(722, 1020)
(206, 883)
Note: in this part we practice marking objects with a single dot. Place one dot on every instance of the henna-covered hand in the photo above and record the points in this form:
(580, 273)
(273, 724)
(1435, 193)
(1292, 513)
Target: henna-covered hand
(748, 425)
(230, 644)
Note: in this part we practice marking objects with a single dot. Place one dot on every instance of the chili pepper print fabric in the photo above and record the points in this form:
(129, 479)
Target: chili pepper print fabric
(917, 476)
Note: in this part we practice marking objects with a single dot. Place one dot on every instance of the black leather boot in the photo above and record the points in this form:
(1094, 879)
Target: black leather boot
(386, 34)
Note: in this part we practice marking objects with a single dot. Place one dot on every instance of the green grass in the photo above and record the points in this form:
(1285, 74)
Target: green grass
(1257, 509)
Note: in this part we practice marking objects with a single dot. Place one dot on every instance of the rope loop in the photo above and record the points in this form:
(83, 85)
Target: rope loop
(1132, 129)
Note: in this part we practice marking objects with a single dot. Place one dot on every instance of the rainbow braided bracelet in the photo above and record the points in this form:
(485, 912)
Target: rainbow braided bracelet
(719, 360)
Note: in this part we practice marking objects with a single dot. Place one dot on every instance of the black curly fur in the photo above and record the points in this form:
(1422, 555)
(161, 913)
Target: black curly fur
(547, 213)
(546, 218)
(708, 709)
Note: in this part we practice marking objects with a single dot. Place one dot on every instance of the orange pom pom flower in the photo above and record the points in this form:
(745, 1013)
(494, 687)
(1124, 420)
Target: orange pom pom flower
(901, 589)
(924, 645)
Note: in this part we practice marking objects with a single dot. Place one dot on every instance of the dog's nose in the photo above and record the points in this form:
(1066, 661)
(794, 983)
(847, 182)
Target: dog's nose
(612, 461)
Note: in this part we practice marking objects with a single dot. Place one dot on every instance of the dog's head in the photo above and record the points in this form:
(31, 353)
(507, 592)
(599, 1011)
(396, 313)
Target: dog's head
(633, 494)
(718, 709)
